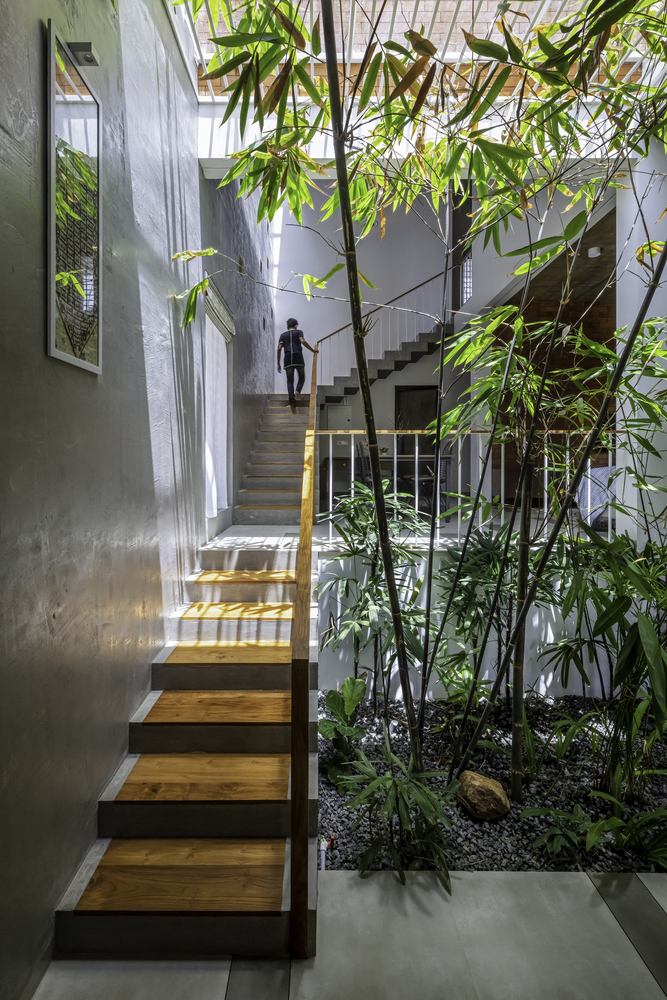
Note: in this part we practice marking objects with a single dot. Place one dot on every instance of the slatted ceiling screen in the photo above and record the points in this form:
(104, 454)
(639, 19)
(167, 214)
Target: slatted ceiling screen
(443, 21)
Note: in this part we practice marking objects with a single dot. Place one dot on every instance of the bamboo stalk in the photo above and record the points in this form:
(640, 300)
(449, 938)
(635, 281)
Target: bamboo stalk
(362, 369)
(519, 649)
(570, 495)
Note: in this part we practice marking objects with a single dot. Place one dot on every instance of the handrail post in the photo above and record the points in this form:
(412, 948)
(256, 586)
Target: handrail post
(299, 944)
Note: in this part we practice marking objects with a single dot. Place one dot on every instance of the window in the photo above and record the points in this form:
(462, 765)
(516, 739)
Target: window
(466, 278)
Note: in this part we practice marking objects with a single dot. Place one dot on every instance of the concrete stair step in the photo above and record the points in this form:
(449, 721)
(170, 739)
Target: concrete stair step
(274, 467)
(254, 722)
(284, 415)
(225, 666)
(292, 483)
(292, 435)
(293, 459)
(244, 621)
(215, 555)
(216, 586)
(293, 449)
(270, 497)
(202, 795)
(186, 896)
(269, 514)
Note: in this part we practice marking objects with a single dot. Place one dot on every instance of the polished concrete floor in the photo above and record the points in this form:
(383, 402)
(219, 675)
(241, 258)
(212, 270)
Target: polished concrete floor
(500, 936)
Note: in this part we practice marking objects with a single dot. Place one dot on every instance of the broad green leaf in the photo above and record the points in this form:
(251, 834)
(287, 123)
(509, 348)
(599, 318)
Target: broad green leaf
(336, 705)
(353, 690)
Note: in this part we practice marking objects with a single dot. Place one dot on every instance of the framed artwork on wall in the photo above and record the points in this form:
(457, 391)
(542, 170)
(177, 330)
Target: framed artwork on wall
(74, 273)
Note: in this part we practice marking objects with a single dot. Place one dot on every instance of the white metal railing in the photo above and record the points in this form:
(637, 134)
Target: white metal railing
(411, 472)
(398, 322)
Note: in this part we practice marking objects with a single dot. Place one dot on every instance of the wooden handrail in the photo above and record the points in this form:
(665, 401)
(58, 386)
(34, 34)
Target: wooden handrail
(299, 937)
(377, 308)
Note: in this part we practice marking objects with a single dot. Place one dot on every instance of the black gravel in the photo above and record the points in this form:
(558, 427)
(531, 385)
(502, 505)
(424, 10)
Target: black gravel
(500, 845)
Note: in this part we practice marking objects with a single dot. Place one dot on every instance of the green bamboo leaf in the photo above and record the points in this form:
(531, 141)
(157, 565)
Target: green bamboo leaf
(483, 47)
(248, 89)
(308, 85)
(655, 659)
(237, 91)
(397, 47)
(241, 40)
(575, 226)
(228, 66)
(531, 265)
(531, 248)
(613, 615)
(486, 104)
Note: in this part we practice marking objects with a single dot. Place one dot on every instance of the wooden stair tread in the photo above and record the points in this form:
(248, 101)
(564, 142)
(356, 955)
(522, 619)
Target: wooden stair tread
(193, 777)
(187, 875)
(221, 707)
(247, 575)
(235, 610)
(233, 651)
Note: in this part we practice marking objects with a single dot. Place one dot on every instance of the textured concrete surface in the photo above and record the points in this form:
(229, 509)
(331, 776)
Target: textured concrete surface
(378, 940)
(656, 883)
(105, 979)
(500, 936)
(102, 505)
(640, 915)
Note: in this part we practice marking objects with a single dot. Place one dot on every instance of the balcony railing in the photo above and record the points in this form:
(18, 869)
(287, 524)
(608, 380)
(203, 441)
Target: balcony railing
(407, 460)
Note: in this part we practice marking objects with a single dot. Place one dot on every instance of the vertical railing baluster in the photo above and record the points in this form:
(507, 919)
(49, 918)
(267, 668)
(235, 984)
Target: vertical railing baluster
(352, 466)
(609, 464)
(546, 481)
(502, 484)
(458, 514)
(417, 473)
(330, 487)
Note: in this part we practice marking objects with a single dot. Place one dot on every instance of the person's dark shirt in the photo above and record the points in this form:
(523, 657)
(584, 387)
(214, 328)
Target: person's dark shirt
(291, 341)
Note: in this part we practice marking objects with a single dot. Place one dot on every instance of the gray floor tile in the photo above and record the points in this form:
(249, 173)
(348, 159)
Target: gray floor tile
(545, 936)
(125, 979)
(641, 916)
(259, 979)
(379, 940)
(656, 883)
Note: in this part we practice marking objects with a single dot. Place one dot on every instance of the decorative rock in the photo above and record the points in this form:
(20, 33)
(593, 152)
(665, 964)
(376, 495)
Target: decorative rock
(483, 797)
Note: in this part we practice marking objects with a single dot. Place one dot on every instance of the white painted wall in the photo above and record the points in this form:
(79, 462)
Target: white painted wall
(216, 457)
(409, 253)
(544, 625)
(631, 231)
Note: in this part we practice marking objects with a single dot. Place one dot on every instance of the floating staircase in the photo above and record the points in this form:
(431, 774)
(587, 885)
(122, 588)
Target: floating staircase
(391, 361)
(271, 489)
(193, 855)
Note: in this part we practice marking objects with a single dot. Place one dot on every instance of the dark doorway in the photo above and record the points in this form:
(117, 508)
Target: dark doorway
(415, 409)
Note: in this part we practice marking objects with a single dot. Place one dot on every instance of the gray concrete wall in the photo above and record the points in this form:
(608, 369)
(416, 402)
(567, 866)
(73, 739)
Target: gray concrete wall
(102, 499)
(253, 348)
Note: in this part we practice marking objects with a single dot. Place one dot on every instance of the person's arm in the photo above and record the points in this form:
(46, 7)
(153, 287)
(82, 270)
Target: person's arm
(315, 350)
(280, 347)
